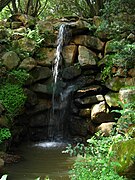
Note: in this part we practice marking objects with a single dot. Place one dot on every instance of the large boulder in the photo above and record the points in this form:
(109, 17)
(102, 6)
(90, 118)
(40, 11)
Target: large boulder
(116, 83)
(127, 95)
(125, 151)
(86, 112)
(78, 127)
(98, 108)
(43, 89)
(88, 101)
(26, 44)
(89, 41)
(45, 56)
(28, 64)
(89, 90)
(71, 72)
(69, 54)
(41, 73)
(105, 128)
(112, 99)
(10, 60)
(86, 57)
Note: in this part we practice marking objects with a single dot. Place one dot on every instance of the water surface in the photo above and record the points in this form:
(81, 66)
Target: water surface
(40, 160)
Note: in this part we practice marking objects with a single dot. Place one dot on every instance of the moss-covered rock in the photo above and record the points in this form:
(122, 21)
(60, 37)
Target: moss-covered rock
(125, 152)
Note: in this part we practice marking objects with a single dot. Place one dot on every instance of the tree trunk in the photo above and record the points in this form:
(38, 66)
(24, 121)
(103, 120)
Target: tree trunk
(3, 3)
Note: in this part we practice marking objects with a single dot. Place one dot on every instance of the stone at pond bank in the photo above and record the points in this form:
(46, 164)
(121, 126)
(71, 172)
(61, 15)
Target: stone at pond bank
(9, 158)
(125, 152)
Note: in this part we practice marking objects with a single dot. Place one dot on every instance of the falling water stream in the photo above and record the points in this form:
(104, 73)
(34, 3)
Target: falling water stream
(59, 102)
(45, 158)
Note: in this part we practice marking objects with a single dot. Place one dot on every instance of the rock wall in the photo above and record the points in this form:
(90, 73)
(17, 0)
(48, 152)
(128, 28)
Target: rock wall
(90, 100)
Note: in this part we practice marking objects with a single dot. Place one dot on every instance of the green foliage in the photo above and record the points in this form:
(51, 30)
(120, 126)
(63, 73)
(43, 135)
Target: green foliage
(18, 77)
(5, 13)
(4, 134)
(96, 163)
(114, 7)
(127, 116)
(34, 35)
(12, 98)
(122, 55)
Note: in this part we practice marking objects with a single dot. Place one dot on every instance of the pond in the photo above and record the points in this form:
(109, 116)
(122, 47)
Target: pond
(43, 159)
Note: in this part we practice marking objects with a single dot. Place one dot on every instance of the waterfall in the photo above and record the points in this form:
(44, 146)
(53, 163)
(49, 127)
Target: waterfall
(59, 103)
(60, 44)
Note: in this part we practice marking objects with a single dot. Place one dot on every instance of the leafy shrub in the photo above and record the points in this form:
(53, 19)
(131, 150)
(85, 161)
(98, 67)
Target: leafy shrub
(127, 116)
(96, 163)
(18, 76)
(12, 98)
(123, 55)
(4, 134)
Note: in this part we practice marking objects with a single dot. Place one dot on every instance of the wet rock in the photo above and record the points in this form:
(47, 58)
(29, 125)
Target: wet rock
(32, 98)
(28, 64)
(9, 158)
(78, 126)
(71, 72)
(41, 88)
(39, 120)
(86, 57)
(42, 105)
(69, 54)
(88, 101)
(38, 134)
(83, 81)
(40, 73)
(89, 41)
(10, 60)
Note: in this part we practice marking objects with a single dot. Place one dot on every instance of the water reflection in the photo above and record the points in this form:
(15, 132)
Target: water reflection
(41, 160)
